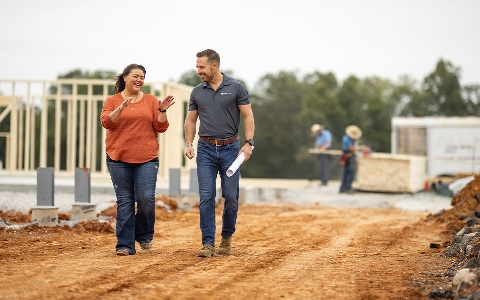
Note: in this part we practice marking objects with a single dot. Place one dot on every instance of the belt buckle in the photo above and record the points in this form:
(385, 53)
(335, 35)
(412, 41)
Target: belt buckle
(218, 143)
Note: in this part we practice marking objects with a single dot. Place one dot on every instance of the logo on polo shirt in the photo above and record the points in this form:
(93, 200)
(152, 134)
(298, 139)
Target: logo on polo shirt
(225, 93)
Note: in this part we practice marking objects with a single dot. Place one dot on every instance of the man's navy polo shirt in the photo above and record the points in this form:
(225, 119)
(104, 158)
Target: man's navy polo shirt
(218, 110)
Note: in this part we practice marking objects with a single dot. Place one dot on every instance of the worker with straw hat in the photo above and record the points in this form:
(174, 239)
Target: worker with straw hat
(352, 134)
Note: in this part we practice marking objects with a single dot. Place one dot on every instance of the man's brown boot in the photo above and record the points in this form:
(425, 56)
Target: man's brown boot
(207, 251)
(225, 246)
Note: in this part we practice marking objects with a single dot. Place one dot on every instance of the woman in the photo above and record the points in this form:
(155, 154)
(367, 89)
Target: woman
(133, 120)
(352, 134)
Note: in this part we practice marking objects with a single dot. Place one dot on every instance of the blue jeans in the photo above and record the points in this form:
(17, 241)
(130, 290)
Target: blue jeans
(134, 183)
(213, 160)
(324, 168)
(348, 174)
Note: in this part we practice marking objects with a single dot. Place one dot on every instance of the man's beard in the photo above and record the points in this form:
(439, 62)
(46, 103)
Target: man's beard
(208, 78)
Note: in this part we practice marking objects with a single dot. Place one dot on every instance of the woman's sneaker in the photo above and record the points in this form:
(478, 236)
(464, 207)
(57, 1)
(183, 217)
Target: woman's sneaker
(146, 246)
(123, 252)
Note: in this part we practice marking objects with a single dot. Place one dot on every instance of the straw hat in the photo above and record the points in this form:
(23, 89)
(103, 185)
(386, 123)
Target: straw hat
(316, 127)
(354, 132)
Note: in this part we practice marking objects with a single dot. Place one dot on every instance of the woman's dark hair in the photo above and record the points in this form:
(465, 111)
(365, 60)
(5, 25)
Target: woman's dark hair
(120, 82)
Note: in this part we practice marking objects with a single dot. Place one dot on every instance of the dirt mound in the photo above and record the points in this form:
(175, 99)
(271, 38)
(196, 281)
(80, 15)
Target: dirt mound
(462, 245)
(93, 226)
(164, 208)
(31, 229)
(80, 227)
(64, 216)
(163, 212)
(15, 217)
(110, 212)
(464, 204)
(171, 203)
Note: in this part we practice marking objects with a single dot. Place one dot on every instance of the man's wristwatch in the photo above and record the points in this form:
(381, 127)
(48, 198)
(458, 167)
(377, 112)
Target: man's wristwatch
(250, 141)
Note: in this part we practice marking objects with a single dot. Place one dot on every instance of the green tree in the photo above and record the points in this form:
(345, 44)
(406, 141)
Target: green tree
(318, 105)
(471, 95)
(350, 97)
(190, 78)
(276, 110)
(443, 87)
(367, 103)
(403, 93)
(378, 112)
(440, 94)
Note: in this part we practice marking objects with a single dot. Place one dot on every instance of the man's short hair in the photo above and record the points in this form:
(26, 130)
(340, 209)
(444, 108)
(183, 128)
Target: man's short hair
(211, 55)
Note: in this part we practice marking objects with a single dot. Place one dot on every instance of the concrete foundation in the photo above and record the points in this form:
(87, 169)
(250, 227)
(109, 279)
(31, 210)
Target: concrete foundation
(45, 216)
(84, 211)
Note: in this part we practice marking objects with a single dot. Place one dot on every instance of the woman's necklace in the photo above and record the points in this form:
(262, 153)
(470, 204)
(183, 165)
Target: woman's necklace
(132, 103)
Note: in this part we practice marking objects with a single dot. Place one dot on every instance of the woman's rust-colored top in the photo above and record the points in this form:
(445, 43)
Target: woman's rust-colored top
(134, 138)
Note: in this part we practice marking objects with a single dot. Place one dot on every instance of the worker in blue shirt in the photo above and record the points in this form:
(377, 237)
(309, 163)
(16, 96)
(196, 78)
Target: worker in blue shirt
(352, 134)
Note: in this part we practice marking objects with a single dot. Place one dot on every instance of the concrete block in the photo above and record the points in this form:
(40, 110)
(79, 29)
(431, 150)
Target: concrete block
(250, 194)
(82, 185)
(174, 182)
(84, 211)
(45, 216)
(193, 181)
(45, 186)
(243, 195)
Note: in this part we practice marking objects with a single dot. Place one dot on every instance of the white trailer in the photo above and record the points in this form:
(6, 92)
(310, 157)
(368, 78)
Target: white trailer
(450, 144)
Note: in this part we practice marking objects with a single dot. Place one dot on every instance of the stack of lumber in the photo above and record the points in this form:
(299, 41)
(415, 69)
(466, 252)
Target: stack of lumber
(395, 173)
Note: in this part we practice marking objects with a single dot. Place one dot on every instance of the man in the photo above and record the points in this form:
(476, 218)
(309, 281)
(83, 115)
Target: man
(349, 145)
(218, 101)
(323, 141)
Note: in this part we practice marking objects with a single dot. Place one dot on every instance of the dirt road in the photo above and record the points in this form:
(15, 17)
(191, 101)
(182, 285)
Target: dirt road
(279, 252)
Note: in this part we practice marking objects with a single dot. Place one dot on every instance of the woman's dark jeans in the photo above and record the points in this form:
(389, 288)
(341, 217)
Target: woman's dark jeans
(134, 183)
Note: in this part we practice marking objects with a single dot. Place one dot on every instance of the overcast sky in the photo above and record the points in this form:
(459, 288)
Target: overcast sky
(46, 38)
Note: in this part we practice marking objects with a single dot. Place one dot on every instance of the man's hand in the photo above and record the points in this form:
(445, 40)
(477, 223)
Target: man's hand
(190, 152)
(247, 150)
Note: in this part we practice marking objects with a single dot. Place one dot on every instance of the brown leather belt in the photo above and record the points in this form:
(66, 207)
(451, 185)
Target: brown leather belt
(221, 142)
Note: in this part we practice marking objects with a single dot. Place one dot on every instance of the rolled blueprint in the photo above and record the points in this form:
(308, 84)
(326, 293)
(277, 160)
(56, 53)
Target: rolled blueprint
(236, 164)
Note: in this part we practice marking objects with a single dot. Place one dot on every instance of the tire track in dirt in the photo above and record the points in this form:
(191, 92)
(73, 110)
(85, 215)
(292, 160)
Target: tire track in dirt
(324, 263)
(304, 261)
